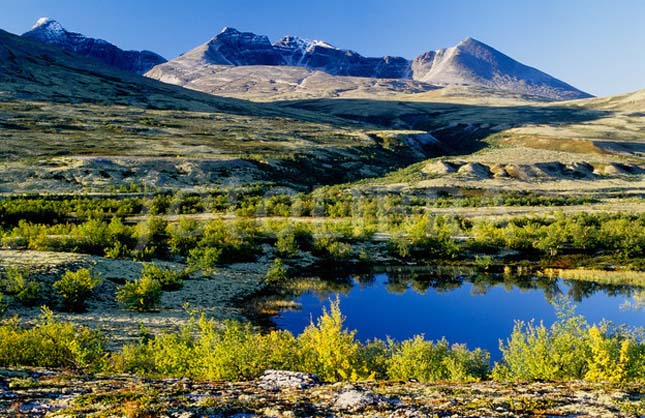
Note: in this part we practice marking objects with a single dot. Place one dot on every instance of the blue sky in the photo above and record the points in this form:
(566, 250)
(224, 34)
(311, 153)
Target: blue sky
(596, 45)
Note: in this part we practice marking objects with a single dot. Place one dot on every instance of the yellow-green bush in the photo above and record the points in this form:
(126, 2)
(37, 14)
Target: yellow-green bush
(330, 351)
(143, 294)
(75, 287)
(614, 358)
(571, 349)
(427, 361)
(16, 282)
(50, 343)
(277, 272)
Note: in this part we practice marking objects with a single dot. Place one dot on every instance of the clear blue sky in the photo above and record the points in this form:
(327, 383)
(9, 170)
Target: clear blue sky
(596, 45)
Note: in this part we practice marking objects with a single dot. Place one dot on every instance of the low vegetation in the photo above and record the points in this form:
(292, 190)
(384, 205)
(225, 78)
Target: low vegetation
(571, 349)
(75, 287)
(142, 294)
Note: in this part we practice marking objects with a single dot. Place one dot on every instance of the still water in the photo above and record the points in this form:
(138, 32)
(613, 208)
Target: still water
(477, 311)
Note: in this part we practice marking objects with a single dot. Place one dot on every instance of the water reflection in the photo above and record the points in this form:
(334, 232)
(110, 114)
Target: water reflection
(463, 304)
(448, 278)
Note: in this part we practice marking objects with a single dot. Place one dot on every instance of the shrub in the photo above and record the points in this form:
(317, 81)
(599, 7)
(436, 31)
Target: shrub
(51, 343)
(277, 273)
(143, 295)
(3, 305)
(237, 242)
(75, 287)
(330, 351)
(169, 280)
(204, 349)
(185, 236)
(418, 359)
(286, 245)
(203, 259)
(231, 352)
(333, 250)
(535, 352)
(616, 357)
(152, 238)
(24, 289)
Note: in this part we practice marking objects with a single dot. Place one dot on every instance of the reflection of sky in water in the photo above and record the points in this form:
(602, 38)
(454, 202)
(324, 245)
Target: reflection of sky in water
(637, 302)
(472, 314)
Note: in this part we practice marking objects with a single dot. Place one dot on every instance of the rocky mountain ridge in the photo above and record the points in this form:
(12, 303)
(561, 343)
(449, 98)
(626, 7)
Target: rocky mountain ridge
(51, 32)
(470, 63)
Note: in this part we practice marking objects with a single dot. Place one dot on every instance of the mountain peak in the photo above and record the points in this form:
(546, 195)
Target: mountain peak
(228, 30)
(51, 32)
(472, 62)
(49, 23)
(472, 43)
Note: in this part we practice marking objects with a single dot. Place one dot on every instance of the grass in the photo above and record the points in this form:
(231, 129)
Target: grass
(625, 278)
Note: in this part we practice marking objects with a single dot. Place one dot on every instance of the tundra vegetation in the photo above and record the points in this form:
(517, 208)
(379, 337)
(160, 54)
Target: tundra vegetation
(571, 349)
(332, 229)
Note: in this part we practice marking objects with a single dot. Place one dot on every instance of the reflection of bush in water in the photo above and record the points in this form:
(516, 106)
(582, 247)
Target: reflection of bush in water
(449, 278)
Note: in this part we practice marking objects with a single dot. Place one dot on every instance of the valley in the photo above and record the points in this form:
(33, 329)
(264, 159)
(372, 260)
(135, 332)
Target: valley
(250, 206)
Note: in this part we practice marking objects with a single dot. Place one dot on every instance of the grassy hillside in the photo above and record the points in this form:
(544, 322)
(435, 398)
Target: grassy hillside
(71, 124)
(591, 146)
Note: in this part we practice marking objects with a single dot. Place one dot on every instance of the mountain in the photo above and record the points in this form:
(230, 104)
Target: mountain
(49, 31)
(212, 66)
(474, 63)
(71, 123)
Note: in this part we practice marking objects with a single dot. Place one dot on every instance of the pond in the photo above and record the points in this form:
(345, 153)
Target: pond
(474, 309)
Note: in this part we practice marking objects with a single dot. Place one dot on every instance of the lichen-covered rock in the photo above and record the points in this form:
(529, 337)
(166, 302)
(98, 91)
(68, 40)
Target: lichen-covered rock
(355, 400)
(283, 379)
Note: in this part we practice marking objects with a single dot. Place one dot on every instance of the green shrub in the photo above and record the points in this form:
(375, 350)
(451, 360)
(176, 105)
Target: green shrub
(204, 349)
(185, 235)
(18, 284)
(204, 259)
(51, 343)
(464, 365)
(330, 351)
(237, 242)
(418, 359)
(75, 287)
(333, 250)
(169, 280)
(152, 238)
(535, 352)
(3, 305)
(277, 273)
(230, 352)
(143, 295)
(286, 245)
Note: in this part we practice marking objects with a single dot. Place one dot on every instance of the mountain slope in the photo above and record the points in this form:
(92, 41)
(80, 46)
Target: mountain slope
(68, 123)
(213, 67)
(49, 31)
(474, 63)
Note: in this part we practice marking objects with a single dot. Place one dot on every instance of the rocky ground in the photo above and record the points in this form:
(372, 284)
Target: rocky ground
(36, 393)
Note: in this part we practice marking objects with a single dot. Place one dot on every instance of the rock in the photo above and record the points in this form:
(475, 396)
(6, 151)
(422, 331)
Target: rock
(408, 413)
(475, 170)
(440, 168)
(185, 414)
(282, 379)
(354, 400)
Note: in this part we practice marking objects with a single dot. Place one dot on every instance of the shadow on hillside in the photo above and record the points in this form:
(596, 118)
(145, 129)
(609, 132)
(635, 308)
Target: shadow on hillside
(459, 127)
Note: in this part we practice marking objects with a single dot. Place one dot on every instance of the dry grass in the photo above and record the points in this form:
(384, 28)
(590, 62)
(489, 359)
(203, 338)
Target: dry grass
(624, 278)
